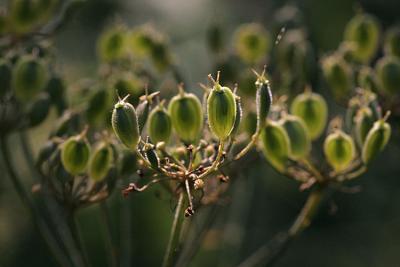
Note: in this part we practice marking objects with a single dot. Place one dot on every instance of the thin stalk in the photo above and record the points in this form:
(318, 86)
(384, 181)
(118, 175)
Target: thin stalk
(217, 160)
(105, 216)
(173, 242)
(77, 235)
(126, 232)
(249, 146)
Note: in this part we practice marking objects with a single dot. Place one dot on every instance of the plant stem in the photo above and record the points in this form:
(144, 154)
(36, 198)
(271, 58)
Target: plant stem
(270, 252)
(173, 242)
(77, 235)
(108, 235)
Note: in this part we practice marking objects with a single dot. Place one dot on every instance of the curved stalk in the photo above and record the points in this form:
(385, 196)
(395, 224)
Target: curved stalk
(249, 146)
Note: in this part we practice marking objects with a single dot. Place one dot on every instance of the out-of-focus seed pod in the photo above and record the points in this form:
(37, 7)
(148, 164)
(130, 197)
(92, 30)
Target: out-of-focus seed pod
(214, 38)
(159, 126)
(221, 110)
(363, 30)
(186, 116)
(127, 83)
(98, 107)
(339, 150)
(338, 75)
(160, 55)
(56, 89)
(38, 110)
(112, 44)
(142, 39)
(300, 143)
(312, 108)
(351, 112)
(100, 162)
(151, 156)
(29, 77)
(367, 79)
(252, 42)
(67, 124)
(238, 118)
(263, 100)
(364, 121)
(125, 124)
(75, 153)
(388, 72)
(23, 15)
(127, 162)
(247, 83)
(392, 42)
(142, 111)
(45, 152)
(250, 123)
(376, 140)
(5, 77)
(276, 145)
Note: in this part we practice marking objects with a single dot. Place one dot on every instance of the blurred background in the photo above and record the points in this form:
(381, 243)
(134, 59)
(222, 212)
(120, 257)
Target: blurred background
(354, 229)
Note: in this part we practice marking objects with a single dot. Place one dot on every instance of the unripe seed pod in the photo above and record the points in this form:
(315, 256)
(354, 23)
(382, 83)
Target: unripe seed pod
(276, 145)
(23, 15)
(339, 150)
(142, 112)
(100, 162)
(364, 121)
(367, 79)
(5, 77)
(312, 108)
(263, 100)
(392, 42)
(46, 151)
(75, 154)
(338, 75)
(351, 112)
(29, 77)
(98, 107)
(238, 118)
(125, 124)
(221, 110)
(376, 140)
(186, 116)
(388, 72)
(112, 44)
(56, 89)
(67, 124)
(151, 156)
(159, 127)
(39, 110)
(300, 143)
(363, 30)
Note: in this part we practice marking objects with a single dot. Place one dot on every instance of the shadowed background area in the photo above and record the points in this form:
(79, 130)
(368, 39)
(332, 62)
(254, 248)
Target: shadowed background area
(354, 229)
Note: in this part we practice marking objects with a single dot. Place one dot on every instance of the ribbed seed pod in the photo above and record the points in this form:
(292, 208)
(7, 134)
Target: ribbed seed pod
(75, 154)
(39, 110)
(312, 108)
(142, 112)
(388, 72)
(376, 140)
(186, 116)
(100, 162)
(29, 77)
(392, 42)
(339, 150)
(263, 100)
(112, 44)
(363, 30)
(338, 75)
(238, 118)
(221, 110)
(5, 77)
(300, 143)
(364, 121)
(125, 124)
(159, 126)
(276, 145)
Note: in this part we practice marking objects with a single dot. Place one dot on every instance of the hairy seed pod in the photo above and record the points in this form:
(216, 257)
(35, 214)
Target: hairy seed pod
(101, 161)
(186, 116)
(238, 118)
(125, 124)
(98, 107)
(112, 44)
(300, 143)
(39, 110)
(221, 111)
(159, 127)
(56, 89)
(263, 100)
(29, 77)
(376, 140)
(338, 75)
(5, 77)
(392, 42)
(312, 108)
(388, 72)
(363, 30)
(75, 154)
(276, 145)
(364, 121)
(367, 79)
(339, 150)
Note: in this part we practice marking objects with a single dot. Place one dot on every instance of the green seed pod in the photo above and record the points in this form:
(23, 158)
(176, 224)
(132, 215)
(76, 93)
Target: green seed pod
(366, 79)
(100, 162)
(5, 77)
(252, 42)
(186, 116)
(388, 72)
(75, 154)
(38, 111)
(238, 118)
(112, 44)
(23, 15)
(67, 124)
(29, 77)
(300, 143)
(351, 111)
(159, 127)
(151, 156)
(263, 100)
(45, 152)
(125, 124)
(338, 75)
(339, 150)
(376, 140)
(142, 111)
(364, 121)
(56, 89)
(363, 30)
(98, 107)
(312, 108)
(392, 42)
(276, 145)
